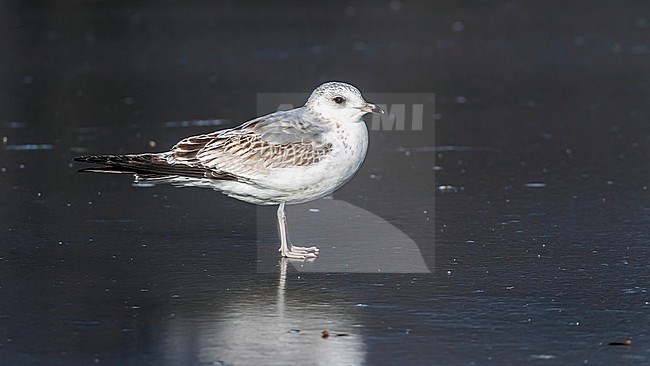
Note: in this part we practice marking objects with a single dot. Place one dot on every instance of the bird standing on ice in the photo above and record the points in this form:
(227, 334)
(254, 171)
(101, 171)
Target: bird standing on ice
(286, 157)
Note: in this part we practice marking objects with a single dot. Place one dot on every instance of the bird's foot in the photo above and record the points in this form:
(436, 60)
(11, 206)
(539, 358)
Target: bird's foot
(295, 252)
(305, 249)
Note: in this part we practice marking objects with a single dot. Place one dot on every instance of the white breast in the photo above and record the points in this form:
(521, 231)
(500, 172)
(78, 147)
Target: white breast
(306, 183)
(349, 151)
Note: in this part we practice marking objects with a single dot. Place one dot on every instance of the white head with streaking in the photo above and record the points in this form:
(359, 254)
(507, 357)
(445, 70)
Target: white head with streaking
(339, 102)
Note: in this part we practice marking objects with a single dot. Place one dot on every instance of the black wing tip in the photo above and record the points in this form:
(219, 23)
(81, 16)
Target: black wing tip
(97, 159)
(147, 166)
(107, 164)
(81, 158)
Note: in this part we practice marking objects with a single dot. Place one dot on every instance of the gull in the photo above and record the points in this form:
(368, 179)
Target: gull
(286, 157)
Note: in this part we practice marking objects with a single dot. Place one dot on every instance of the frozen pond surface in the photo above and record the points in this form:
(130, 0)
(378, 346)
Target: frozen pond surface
(537, 244)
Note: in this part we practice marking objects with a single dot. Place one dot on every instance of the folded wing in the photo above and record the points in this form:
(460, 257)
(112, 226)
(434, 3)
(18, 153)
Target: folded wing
(278, 140)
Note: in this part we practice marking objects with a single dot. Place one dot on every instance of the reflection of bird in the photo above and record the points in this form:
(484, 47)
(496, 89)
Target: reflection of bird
(279, 324)
(285, 157)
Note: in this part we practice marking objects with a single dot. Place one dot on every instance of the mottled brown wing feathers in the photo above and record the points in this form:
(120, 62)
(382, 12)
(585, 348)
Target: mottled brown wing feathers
(245, 150)
(189, 147)
(251, 150)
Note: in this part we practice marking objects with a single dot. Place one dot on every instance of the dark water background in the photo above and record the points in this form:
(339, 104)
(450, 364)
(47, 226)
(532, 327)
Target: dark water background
(539, 252)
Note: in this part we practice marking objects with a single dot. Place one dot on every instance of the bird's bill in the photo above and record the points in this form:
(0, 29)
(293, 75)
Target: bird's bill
(371, 108)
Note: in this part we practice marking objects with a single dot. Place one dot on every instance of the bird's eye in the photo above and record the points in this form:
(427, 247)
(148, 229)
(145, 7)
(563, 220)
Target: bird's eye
(339, 100)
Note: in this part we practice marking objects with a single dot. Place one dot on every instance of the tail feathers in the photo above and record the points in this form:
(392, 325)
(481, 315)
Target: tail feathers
(142, 164)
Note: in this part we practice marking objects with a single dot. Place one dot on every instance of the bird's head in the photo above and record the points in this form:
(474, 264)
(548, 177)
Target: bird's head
(341, 102)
